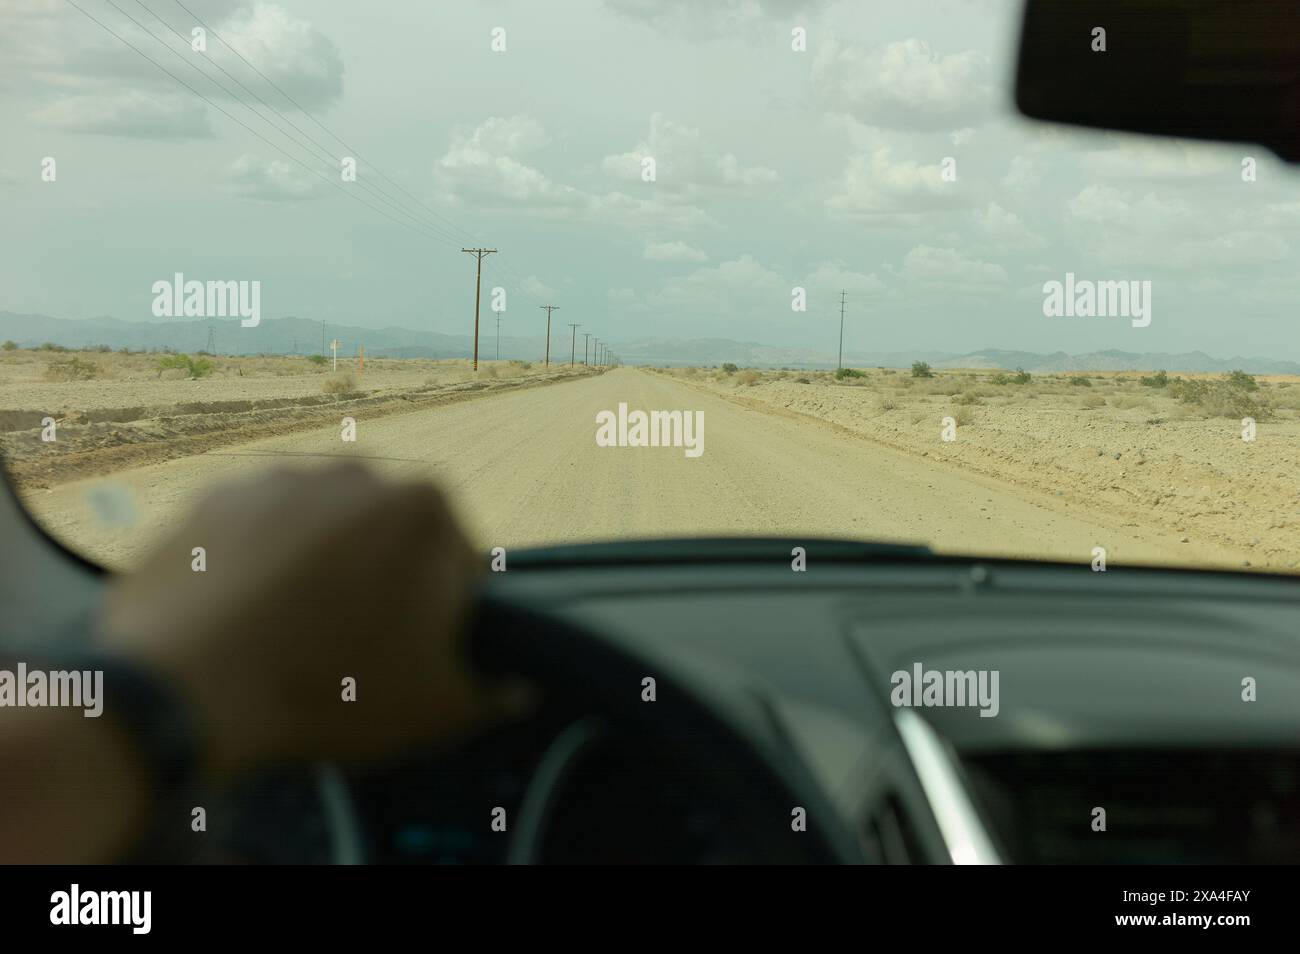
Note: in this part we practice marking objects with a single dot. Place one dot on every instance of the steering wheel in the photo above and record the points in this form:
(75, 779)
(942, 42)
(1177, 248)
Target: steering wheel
(571, 663)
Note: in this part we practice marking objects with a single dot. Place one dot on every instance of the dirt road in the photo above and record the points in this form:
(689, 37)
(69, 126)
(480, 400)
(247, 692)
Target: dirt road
(524, 468)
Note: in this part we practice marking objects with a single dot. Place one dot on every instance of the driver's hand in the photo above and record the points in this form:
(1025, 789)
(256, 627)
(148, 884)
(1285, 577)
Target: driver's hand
(314, 583)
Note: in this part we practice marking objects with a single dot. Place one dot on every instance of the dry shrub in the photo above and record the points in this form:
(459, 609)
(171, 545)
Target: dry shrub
(72, 369)
(340, 382)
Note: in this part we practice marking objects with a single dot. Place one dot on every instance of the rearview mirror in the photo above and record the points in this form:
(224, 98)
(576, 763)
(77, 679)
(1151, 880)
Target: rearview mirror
(1202, 69)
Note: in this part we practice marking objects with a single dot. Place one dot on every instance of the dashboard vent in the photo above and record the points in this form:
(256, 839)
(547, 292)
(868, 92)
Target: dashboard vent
(1165, 806)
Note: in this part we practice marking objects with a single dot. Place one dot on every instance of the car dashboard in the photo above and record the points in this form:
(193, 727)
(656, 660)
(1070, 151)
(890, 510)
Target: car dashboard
(1141, 716)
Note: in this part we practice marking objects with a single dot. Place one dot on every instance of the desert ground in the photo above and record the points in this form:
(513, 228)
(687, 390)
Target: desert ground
(1039, 466)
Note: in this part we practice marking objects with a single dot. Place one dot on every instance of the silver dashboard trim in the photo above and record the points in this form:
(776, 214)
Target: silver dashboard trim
(963, 833)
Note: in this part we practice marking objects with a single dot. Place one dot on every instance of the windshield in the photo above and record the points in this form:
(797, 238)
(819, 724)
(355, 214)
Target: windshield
(614, 270)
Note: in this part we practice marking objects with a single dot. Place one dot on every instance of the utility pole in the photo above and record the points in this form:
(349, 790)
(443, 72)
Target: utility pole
(573, 342)
(842, 294)
(549, 309)
(586, 339)
(212, 341)
(322, 339)
(498, 337)
(595, 352)
(478, 254)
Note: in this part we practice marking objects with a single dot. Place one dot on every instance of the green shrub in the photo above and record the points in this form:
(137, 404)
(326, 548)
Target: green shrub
(921, 370)
(71, 369)
(1000, 378)
(729, 368)
(9, 346)
(1021, 376)
(842, 373)
(1080, 382)
(183, 362)
(1242, 380)
(51, 346)
(1158, 380)
(317, 359)
(1230, 397)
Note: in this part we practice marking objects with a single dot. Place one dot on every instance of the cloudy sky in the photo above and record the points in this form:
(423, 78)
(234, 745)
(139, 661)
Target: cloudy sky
(774, 169)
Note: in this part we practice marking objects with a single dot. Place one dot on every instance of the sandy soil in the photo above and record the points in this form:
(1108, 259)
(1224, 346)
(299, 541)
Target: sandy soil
(127, 413)
(523, 468)
(1117, 446)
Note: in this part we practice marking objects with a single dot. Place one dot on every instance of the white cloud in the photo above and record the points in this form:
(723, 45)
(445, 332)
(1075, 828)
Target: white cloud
(133, 113)
(534, 286)
(837, 275)
(729, 288)
(694, 19)
(1143, 158)
(81, 78)
(485, 166)
(1024, 174)
(876, 183)
(947, 267)
(276, 180)
(684, 164)
(902, 85)
(294, 54)
(1122, 231)
(673, 252)
(482, 163)
(1004, 230)
(746, 288)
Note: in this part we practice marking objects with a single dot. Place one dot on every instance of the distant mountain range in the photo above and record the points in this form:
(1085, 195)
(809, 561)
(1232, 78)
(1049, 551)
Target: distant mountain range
(292, 335)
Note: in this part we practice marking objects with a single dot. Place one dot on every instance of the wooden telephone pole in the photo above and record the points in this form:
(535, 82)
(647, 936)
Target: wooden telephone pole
(573, 342)
(843, 294)
(549, 309)
(478, 254)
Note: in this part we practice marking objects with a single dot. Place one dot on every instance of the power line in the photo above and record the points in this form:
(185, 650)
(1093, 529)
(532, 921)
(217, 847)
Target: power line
(298, 106)
(504, 264)
(375, 191)
(236, 119)
(421, 226)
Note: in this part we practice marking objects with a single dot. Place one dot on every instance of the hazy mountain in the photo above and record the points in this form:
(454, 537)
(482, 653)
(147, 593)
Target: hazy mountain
(293, 335)
(272, 336)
